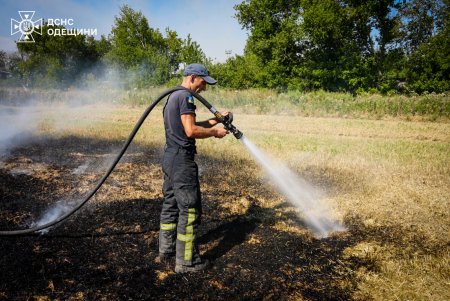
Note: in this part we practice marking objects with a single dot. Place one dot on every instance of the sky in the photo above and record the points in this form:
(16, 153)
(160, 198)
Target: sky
(210, 23)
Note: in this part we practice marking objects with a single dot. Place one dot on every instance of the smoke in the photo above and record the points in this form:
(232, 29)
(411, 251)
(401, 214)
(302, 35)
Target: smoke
(17, 125)
(87, 174)
(80, 169)
(300, 193)
(52, 214)
(24, 110)
(30, 116)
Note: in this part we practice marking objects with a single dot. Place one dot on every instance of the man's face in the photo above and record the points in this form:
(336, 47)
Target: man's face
(198, 84)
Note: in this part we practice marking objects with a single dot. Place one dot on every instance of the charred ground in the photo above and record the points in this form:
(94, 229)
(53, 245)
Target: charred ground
(108, 250)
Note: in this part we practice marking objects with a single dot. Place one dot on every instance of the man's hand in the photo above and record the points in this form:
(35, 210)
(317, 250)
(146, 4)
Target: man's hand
(224, 113)
(220, 132)
(198, 130)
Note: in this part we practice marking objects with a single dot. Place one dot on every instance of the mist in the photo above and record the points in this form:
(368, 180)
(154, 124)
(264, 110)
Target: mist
(17, 125)
(314, 211)
(31, 116)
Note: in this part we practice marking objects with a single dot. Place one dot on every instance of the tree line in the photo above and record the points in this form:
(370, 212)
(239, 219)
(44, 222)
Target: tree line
(343, 45)
(140, 54)
(335, 45)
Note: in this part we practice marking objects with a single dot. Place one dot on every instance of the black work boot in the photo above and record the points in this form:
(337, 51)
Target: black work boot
(201, 266)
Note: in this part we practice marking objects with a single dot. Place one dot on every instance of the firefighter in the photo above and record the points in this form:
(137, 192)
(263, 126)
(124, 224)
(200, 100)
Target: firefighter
(182, 208)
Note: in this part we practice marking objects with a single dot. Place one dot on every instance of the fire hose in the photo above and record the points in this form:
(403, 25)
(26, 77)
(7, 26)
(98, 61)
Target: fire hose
(225, 120)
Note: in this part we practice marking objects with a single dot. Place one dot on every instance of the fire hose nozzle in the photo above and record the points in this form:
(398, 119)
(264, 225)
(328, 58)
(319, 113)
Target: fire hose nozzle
(227, 122)
(237, 133)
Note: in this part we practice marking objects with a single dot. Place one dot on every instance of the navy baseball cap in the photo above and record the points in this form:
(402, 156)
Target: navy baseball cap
(201, 71)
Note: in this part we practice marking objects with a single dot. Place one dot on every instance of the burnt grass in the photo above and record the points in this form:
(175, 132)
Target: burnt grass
(108, 249)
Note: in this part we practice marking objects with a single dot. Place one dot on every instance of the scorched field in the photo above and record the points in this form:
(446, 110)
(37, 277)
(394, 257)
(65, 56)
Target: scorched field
(387, 180)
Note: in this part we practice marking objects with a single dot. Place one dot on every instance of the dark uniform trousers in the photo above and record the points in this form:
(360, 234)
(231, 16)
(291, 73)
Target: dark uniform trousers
(181, 209)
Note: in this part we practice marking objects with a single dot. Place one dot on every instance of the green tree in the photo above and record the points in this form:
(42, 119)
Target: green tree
(307, 44)
(132, 39)
(3, 60)
(14, 62)
(56, 60)
(174, 49)
(191, 52)
(143, 54)
(239, 72)
(275, 40)
(137, 50)
(427, 68)
(347, 45)
(421, 20)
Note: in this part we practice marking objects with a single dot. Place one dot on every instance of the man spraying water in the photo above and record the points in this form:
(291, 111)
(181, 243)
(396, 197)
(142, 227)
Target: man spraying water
(181, 130)
(181, 209)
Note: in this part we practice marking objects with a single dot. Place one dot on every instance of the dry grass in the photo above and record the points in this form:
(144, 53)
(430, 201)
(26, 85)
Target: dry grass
(388, 180)
(325, 104)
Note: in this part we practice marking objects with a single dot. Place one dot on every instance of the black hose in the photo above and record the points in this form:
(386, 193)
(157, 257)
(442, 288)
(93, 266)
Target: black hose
(113, 165)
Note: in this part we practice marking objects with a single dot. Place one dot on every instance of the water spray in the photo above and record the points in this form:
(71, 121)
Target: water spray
(225, 120)
(315, 213)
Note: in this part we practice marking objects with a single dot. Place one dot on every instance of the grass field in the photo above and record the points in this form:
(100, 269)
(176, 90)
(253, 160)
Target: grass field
(388, 181)
(428, 107)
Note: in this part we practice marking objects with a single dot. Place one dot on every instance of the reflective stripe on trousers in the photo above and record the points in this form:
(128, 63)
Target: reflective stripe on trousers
(189, 237)
(181, 207)
(168, 227)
